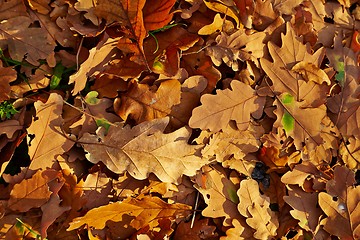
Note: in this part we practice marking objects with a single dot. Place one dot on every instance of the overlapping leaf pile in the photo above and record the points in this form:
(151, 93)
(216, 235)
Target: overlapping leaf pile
(194, 119)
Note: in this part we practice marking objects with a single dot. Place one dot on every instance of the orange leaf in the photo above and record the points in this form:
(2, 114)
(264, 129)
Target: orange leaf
(157, 13)
(30, 193)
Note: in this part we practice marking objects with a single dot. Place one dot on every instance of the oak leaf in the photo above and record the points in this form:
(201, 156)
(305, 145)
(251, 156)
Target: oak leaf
(48, 141)
(341, 205)
(237, 46)
(223, 8)
(262, 221)
(145, 210)
(219, 194)
(237, 104)
(10, 9)
(284, 58)
(141, 103)
(304, 208)
(30, 193)
(144, 149)
(294, 120)
(350, 153)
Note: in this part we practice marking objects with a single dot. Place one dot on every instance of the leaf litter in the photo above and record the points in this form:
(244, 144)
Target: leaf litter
(179, 119)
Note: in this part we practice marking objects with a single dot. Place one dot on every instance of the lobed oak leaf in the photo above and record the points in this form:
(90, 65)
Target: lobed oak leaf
(129, 14)
(237, 46)
(141, 103)
(23, 40)
(30, 193)
(240, 230)
(219, 24)
(284, 58)
(304, 208)
(286, 6)
(144, 149)
(237, 104)
(294, 120)
(263, 221)
(342, 212)
(231, 142)
(145, 210)
(9, 127)
(157, 14)
(41, 6)
(219, 194)
(201, 229)
(345, 106)
(48, 141)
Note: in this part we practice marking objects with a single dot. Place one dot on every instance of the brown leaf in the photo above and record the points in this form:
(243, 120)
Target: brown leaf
(30, 193)
(237, 46)
(350, 153)
(144, 149)
(41, 6)
(311, 72)
(304, 208)
(237, 104)
(7, 75)
(10, 9)
(23, 40)
(263, 221)
(146, 210)
(48, 141)
(141, 103)
(284, 58)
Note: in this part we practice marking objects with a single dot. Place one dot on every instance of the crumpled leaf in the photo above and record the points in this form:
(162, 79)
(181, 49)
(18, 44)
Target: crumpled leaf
(237, 104)
(146, 210)
(141, 103)
(237, 46)
(30, 193)
(311, 72)
(48, 141)
(144, 149)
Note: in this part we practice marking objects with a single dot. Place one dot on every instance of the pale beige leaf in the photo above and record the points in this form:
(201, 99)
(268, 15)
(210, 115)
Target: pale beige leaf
(144, 149)
(48, 141)
(237, 104)
(30, 193)
(263, 221)
(249, 194)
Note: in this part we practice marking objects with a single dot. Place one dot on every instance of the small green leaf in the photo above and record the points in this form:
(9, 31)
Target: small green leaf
(7, 110)
(91, 98)
(287, 99)
(57, 75)
(233, 195)
(103, 123)
(288, 122)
